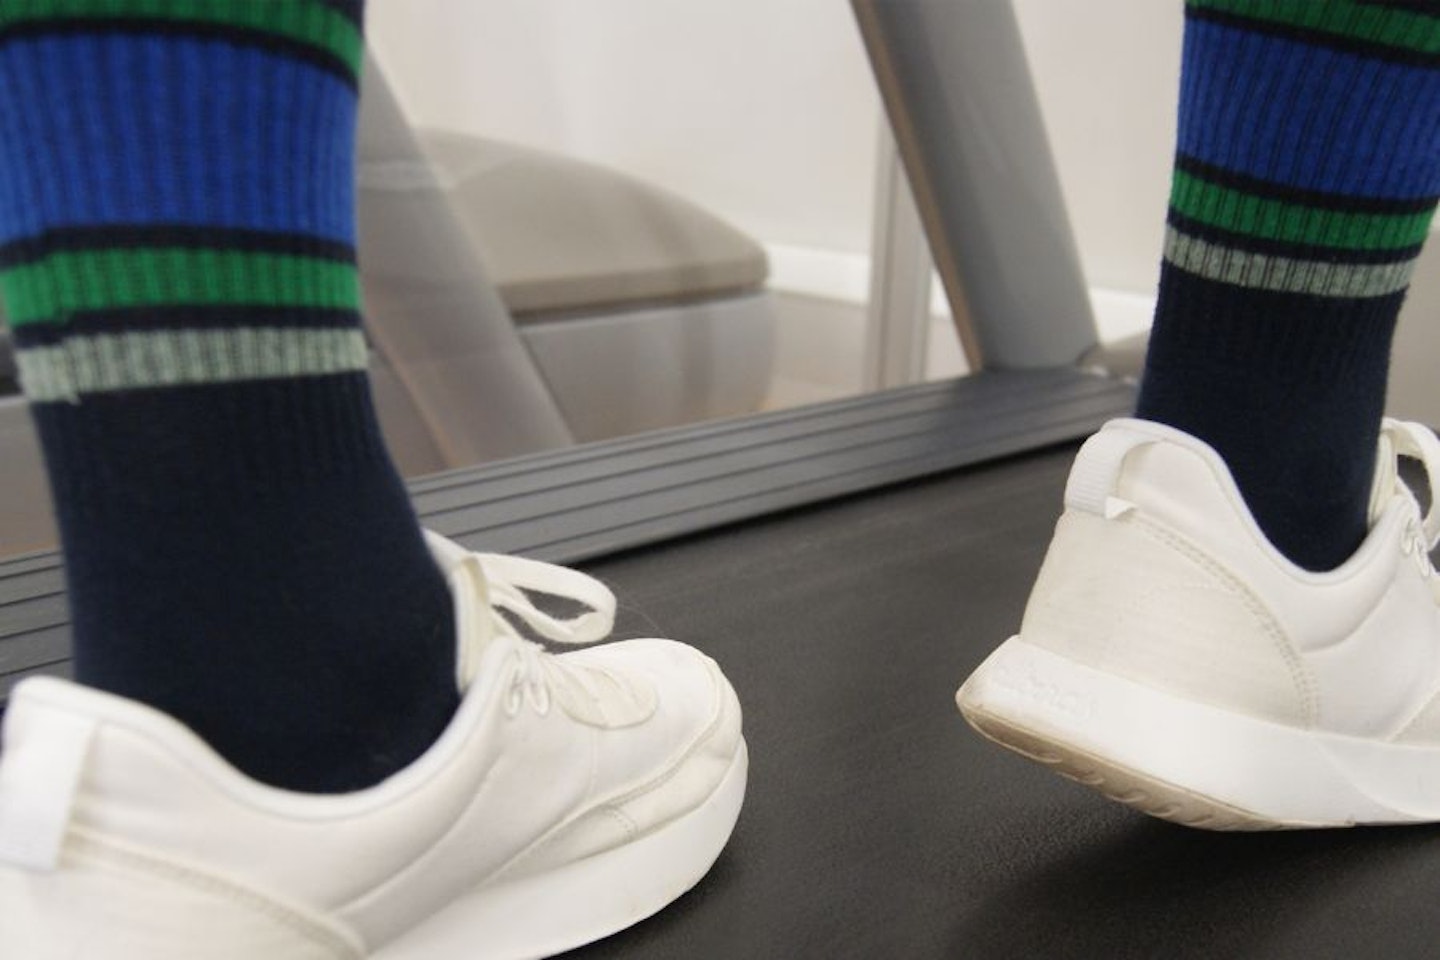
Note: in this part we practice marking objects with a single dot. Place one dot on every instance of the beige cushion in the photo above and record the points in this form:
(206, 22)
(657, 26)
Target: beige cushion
(26, 519)
(9, 373)
(558, 234)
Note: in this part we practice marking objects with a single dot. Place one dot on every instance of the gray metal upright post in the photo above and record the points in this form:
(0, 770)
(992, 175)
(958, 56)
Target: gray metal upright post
(897, 324)
(957, 89)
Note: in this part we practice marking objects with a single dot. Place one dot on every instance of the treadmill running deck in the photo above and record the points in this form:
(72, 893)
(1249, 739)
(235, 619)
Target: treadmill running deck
(877, 824)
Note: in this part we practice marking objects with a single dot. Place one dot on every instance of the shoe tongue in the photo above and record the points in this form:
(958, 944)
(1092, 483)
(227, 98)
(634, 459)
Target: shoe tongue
(476, 634)
(474, 630)
(1387, 478)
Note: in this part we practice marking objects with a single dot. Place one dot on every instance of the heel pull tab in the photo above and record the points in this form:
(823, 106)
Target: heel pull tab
(1096, 471)
(40, 771)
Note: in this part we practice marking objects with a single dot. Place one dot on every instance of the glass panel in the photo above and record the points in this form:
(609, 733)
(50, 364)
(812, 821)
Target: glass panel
(675, 200)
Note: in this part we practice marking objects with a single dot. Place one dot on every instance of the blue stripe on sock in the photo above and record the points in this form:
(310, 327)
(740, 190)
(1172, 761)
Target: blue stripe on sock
(1238, 110)
(139, 130)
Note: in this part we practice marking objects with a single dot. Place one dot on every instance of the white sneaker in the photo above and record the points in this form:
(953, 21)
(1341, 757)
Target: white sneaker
(1171, 658)
(570, 797)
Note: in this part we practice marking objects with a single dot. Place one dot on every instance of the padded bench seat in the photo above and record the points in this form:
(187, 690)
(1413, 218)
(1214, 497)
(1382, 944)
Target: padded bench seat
(641, 309)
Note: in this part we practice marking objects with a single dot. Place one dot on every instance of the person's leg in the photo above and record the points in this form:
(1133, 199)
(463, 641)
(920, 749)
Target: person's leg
(1236, 625)
(1306, 174)
(177, 259)
(176, 193)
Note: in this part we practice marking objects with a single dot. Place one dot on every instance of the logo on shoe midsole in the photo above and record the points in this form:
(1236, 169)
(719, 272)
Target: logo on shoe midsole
(1028, 683)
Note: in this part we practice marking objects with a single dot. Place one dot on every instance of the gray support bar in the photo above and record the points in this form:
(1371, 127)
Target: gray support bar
(897, 334)
(957, 88)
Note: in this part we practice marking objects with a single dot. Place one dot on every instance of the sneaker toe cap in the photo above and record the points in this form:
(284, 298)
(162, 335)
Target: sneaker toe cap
(677, 757)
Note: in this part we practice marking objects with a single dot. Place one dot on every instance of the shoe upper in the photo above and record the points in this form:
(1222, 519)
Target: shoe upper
(549, 759)
(1158, 572)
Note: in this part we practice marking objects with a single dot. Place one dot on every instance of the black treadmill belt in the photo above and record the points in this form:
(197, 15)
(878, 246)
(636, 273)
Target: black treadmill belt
(878, 825)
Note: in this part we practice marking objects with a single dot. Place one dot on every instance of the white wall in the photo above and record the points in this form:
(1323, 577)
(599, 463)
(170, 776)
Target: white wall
(1107, 73)
(761, 110)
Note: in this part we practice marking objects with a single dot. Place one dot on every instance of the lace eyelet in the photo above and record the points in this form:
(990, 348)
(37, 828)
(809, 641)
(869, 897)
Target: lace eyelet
(527, 686)
(1413, 544)
(540, 698)
(535, 693)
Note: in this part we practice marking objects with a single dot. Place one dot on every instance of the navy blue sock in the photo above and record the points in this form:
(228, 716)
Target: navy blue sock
(1306, 175)
(178, 265)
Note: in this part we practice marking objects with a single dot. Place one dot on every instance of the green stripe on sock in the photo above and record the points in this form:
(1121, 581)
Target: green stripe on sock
(1284, 274)
(64, 284)
(137, 360)
(1294, 223)
(304, 21)
(1388, 26)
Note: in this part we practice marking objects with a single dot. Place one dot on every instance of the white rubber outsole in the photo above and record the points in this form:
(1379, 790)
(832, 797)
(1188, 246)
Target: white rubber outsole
(1190, 762)
(550, 913)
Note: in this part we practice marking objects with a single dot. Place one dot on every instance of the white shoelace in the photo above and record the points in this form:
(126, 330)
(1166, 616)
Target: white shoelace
(1415, 440)
(498, 584)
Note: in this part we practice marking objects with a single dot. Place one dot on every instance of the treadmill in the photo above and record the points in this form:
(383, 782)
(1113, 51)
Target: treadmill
(848, 563)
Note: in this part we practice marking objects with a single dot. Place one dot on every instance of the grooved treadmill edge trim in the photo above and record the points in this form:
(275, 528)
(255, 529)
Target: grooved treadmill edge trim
(587, 501)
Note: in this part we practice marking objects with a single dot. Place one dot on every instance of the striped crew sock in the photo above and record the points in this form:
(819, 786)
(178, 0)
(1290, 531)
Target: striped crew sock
(1307, 170)
(177, 260)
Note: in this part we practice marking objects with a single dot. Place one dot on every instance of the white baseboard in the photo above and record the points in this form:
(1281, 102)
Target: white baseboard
(844, 276)
(813, 272)
(1121, 313)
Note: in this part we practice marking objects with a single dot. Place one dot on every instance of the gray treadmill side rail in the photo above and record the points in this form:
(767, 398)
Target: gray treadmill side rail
(602, 498)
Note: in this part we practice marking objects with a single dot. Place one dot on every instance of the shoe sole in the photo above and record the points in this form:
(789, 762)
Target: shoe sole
(585, 901)
(1189, 762)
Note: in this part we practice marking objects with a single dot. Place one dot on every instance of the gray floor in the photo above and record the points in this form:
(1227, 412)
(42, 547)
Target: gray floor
(878, 825)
